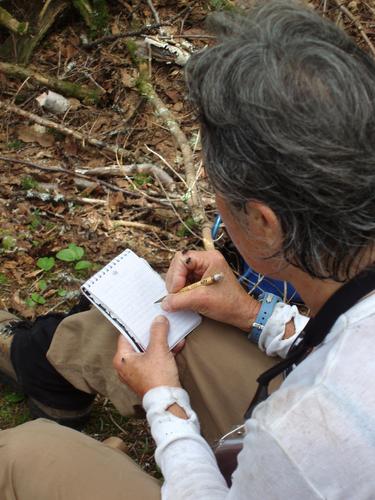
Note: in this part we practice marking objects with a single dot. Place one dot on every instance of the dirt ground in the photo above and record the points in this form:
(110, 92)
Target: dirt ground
(55, 194)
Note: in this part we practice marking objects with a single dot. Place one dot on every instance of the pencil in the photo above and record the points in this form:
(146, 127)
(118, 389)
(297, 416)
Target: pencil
(208, 280)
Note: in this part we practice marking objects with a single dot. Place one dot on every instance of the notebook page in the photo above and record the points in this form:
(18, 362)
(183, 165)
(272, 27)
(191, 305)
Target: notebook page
(128, 287)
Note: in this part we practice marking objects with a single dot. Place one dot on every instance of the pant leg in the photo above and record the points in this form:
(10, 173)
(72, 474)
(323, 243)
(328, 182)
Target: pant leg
(41, 460)
(82, 350)
(218, 367)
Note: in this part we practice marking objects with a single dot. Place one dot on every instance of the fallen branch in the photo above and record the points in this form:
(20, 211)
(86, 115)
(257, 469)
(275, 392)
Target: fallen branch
(117, 150)
(128, 34)
(357, 24)
(112, 187)
(56, 196)
(141, 168)
(66, 88)
(11, 23)
(192, 196)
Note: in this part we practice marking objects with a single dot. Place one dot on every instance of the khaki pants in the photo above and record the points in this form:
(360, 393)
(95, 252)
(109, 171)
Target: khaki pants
(41, 460)
(218, 367)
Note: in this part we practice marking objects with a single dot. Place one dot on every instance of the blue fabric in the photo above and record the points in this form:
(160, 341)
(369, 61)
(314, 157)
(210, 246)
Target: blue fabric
(257, 283)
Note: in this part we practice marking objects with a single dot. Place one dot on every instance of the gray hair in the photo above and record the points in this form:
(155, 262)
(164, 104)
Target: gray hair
(287, 106)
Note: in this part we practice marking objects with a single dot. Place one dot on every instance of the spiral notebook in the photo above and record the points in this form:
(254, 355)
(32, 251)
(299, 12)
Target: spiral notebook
(125, 290)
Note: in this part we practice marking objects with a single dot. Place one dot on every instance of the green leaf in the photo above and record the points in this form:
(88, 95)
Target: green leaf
(78, 251)
(83, 264)
(66, 255)
(29, 302)
(61, 292)
(70, 254)
(38, 299)
(42, 285)
(45, 263)
(3, 279)
(14, 397)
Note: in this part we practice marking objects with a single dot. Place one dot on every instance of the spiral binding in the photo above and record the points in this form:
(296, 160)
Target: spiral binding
(106, 269)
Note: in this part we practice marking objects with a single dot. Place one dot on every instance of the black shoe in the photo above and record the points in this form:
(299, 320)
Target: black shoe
(75, 419)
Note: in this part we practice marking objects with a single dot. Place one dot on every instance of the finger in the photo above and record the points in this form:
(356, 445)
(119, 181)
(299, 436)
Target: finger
(184, 265)
(124, 348)
(193, 300)
(159, 335)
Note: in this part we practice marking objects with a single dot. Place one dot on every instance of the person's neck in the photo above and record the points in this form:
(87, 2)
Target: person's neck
(315, 292)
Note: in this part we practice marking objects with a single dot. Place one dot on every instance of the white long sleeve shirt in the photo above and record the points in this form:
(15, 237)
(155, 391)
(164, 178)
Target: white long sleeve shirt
(314, 438)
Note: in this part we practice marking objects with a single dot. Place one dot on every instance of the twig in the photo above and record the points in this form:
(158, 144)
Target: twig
(58, 197)
(140, 168)
(134, 194)
(141, 31)
(127, 34)
(193, 200)
(117, 150)
(62, 86)
(357, 24)
(166, 163)
(154, 11)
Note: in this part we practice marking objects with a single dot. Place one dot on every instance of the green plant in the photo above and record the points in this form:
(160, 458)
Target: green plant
(28, 182)
(71, 254)
(42, 285)
(83, 265)
(222, 5)
(142, 179)
(184, 229)
(15, 144)
(35, 220)
(45, 263)
(38, 299)
(74, 254)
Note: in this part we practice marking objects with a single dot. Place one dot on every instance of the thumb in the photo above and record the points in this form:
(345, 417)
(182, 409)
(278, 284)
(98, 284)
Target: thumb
(159, 335)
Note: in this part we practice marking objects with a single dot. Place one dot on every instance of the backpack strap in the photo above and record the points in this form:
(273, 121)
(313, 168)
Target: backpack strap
(316, 330)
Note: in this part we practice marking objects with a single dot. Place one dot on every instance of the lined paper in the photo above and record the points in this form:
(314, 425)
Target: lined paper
(125, 291)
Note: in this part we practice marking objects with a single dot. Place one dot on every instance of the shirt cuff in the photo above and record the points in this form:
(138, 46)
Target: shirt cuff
(166, 427)
(271, 339)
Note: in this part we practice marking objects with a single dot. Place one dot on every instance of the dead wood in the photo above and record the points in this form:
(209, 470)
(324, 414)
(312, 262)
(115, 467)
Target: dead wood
(357, 24)
(127, 34)
(147, 90)
(82, 138)
(26, 44)
(66, 88)
(112, 187)
(141, 168)
(11, 23)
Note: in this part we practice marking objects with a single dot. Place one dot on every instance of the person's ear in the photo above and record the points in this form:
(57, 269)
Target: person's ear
(263, 223)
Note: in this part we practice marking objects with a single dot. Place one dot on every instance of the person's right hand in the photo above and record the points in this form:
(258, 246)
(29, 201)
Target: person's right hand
(225, 301)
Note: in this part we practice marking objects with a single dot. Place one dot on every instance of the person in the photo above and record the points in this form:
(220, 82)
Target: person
(286, 103)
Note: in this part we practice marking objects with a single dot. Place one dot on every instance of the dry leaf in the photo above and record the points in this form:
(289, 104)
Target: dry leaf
(35, 133)
(128, 78)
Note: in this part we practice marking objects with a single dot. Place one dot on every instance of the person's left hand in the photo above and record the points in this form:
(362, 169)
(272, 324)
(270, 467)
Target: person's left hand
(154, 367)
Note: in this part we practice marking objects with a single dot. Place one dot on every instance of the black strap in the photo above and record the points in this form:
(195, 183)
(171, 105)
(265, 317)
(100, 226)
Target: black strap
(316, 330)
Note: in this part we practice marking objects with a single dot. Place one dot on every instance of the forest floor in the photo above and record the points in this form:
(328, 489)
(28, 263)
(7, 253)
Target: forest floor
(44, 211)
